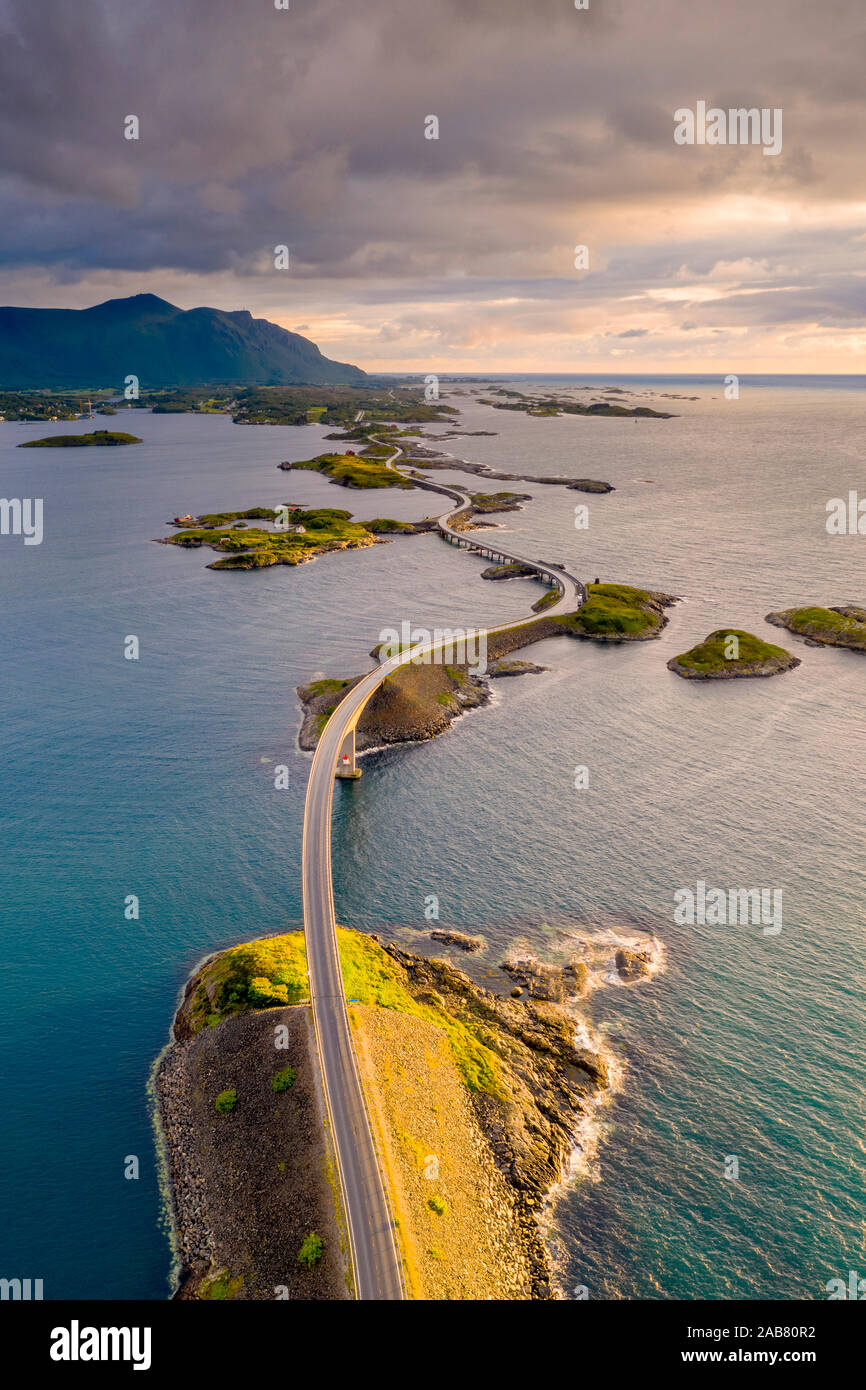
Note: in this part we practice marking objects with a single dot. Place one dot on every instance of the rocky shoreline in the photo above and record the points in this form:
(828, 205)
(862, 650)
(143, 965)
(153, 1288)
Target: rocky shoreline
(247, 1187)
(433, 458)
(550, 1081)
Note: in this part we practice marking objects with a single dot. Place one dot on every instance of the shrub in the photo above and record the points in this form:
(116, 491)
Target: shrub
(311, 1251)
(437, 1204)
(264, 992)
(284, 1080)
(226, 1102)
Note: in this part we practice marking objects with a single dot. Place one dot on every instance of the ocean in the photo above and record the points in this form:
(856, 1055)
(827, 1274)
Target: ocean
(154, 778)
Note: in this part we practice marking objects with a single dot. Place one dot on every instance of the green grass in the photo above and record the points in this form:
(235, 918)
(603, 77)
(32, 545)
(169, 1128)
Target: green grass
(226, 1102)
(327, 686)
(221, 1285)
(382, 525)
(546, 601)
(492, 501)
(710, 655)
(819, 621)
(211, 519)
(612, 610)
(284, 1080)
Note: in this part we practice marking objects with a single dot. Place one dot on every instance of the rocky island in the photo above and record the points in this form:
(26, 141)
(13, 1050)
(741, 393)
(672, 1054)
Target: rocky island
(826, 627)
(309, 533)
(729, 653)
(475, 1099)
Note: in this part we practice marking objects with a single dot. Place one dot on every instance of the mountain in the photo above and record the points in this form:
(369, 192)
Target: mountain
(160, 344)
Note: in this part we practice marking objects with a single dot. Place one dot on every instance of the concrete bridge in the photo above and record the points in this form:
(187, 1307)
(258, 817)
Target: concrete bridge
(374, 1251)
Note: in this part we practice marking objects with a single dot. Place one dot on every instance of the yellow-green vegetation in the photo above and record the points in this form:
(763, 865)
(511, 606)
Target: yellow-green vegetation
(371, 976)
(284, 1079)
(226, 1102)
(546, 601)
(322, 529)
(255, 975)
(351, 470)
(336, 405)
(437, 1204)
(272, 972)
(614, 610)
(311, 1251)
(220, 1285)
(730, 652)
(832, 627)
(496, 501)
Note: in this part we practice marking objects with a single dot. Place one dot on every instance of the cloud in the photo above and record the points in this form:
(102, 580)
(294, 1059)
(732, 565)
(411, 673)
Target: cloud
(306, 127)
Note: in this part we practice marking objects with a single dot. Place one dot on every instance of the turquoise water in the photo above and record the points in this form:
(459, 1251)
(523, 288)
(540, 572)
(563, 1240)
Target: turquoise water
(156, 778)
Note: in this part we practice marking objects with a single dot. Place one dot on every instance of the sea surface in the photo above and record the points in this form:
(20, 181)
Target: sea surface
(155, 778)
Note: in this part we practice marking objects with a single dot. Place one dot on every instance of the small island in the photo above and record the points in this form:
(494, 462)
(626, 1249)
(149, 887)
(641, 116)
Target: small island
(309, 533)
(826, 627)
(351, 470)
(729, 653)
(98, 439)
(512, 570)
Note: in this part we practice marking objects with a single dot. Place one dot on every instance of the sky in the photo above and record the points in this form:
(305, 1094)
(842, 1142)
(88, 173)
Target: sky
(305, 127)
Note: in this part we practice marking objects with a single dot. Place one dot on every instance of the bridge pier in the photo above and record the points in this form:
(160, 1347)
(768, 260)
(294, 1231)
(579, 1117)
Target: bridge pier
(347, 764)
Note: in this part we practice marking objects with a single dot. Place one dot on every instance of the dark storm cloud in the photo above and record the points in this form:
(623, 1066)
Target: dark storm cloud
(306, 127)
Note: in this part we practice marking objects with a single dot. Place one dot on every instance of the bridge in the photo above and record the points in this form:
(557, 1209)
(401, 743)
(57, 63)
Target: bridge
(375, 1256)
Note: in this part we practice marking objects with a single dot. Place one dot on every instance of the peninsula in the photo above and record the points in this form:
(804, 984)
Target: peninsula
(474, 1099)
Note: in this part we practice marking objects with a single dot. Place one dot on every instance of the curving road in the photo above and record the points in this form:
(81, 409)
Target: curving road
(375, 1256)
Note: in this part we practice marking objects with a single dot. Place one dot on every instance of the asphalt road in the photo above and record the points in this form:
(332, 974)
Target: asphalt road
(375, 1255)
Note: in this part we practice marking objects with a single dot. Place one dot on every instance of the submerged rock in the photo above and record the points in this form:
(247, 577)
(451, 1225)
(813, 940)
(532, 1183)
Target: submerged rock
(457, 938)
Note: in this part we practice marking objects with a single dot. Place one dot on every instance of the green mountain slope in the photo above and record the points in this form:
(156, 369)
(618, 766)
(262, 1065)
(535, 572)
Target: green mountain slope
(162, 345)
